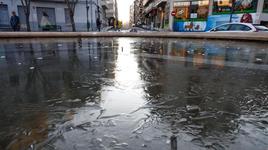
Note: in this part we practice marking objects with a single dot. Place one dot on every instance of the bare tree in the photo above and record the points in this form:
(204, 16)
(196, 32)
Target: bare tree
(71, 8)
(26, 5)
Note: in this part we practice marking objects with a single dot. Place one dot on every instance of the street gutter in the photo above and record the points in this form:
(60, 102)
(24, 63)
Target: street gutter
(255, 36)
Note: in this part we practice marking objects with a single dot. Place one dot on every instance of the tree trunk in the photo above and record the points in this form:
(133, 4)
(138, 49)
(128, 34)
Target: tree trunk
(72, 22)
(28, 22)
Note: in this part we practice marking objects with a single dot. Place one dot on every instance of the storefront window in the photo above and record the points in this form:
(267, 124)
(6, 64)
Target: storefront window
(202, 11)
(182, 10)
(265, 6)
(239, 6)
(194, 10)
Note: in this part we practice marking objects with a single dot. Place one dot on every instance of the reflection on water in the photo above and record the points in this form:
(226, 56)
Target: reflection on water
(132, 93)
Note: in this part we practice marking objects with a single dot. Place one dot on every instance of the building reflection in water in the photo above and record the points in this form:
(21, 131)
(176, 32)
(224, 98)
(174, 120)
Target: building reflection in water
(40, 72)
(211, 95)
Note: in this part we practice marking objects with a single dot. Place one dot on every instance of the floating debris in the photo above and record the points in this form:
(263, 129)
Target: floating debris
(2, 57)
(32, 68)
(258, 61)
(192, 108)
(74, 101)
(182, 120)
(39, 58)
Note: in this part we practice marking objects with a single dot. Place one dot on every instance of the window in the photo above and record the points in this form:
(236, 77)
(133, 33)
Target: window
(67, 16)
(239, 6)
(193, 10)
(49, 11)
(202, 11)
(4, 17)
(239, 27)
(221, 6)
(21, 14)
(223, 28)
(265, 6)
(182, 10)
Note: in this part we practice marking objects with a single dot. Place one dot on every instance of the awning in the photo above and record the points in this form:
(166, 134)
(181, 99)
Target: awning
(158, 2)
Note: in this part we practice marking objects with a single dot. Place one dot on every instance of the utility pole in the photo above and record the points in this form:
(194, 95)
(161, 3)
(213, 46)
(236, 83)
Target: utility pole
(87, 6)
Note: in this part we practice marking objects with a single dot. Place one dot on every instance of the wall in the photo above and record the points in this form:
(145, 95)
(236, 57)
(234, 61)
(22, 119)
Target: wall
(80, 14)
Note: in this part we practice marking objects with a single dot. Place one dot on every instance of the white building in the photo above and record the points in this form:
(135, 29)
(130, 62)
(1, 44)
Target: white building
(57, 12)
(111, 12)
(131, 15)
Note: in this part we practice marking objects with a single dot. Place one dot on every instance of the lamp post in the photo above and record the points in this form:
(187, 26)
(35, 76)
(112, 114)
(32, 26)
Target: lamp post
(88, 26)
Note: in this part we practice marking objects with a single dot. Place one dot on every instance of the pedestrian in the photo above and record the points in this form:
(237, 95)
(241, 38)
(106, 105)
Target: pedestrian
(246, 18)
(15, 22)
(45, 23)
(98, 21)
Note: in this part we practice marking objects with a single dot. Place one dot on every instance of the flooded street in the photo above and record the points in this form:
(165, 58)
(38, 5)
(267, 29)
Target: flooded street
(133, 94)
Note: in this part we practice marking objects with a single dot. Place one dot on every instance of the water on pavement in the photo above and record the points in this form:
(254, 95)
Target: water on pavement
(133, 93)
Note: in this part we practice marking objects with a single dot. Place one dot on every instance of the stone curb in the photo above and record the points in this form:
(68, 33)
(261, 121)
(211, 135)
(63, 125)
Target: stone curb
(255, 36)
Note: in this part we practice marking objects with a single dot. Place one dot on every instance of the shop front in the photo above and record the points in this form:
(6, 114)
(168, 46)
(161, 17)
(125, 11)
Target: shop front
(190, 16)
(225, 11)
(202, 15)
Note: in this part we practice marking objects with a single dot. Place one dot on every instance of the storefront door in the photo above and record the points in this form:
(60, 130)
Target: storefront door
(49, 11)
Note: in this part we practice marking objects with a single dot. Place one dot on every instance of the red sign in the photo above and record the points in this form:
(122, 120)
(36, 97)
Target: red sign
(173, 13)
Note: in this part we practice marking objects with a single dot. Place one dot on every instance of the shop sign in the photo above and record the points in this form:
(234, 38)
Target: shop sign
(173, 13)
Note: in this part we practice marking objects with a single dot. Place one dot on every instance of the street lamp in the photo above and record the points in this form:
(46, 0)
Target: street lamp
(88, 26)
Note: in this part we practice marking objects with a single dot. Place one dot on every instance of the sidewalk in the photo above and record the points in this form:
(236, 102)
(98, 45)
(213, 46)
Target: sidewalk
(254, 36)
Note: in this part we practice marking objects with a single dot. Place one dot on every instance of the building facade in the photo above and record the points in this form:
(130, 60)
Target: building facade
(138, 12)
(57, 12)
(131, 15)
(112, 11)
(155, 13)
(202, 15)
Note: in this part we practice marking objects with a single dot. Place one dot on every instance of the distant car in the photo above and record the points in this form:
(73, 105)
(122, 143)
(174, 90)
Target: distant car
(110, 29)
(239, 27)
(140, 29)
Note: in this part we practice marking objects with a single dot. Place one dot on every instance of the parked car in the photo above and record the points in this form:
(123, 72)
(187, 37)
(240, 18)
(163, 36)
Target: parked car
(239, 27)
